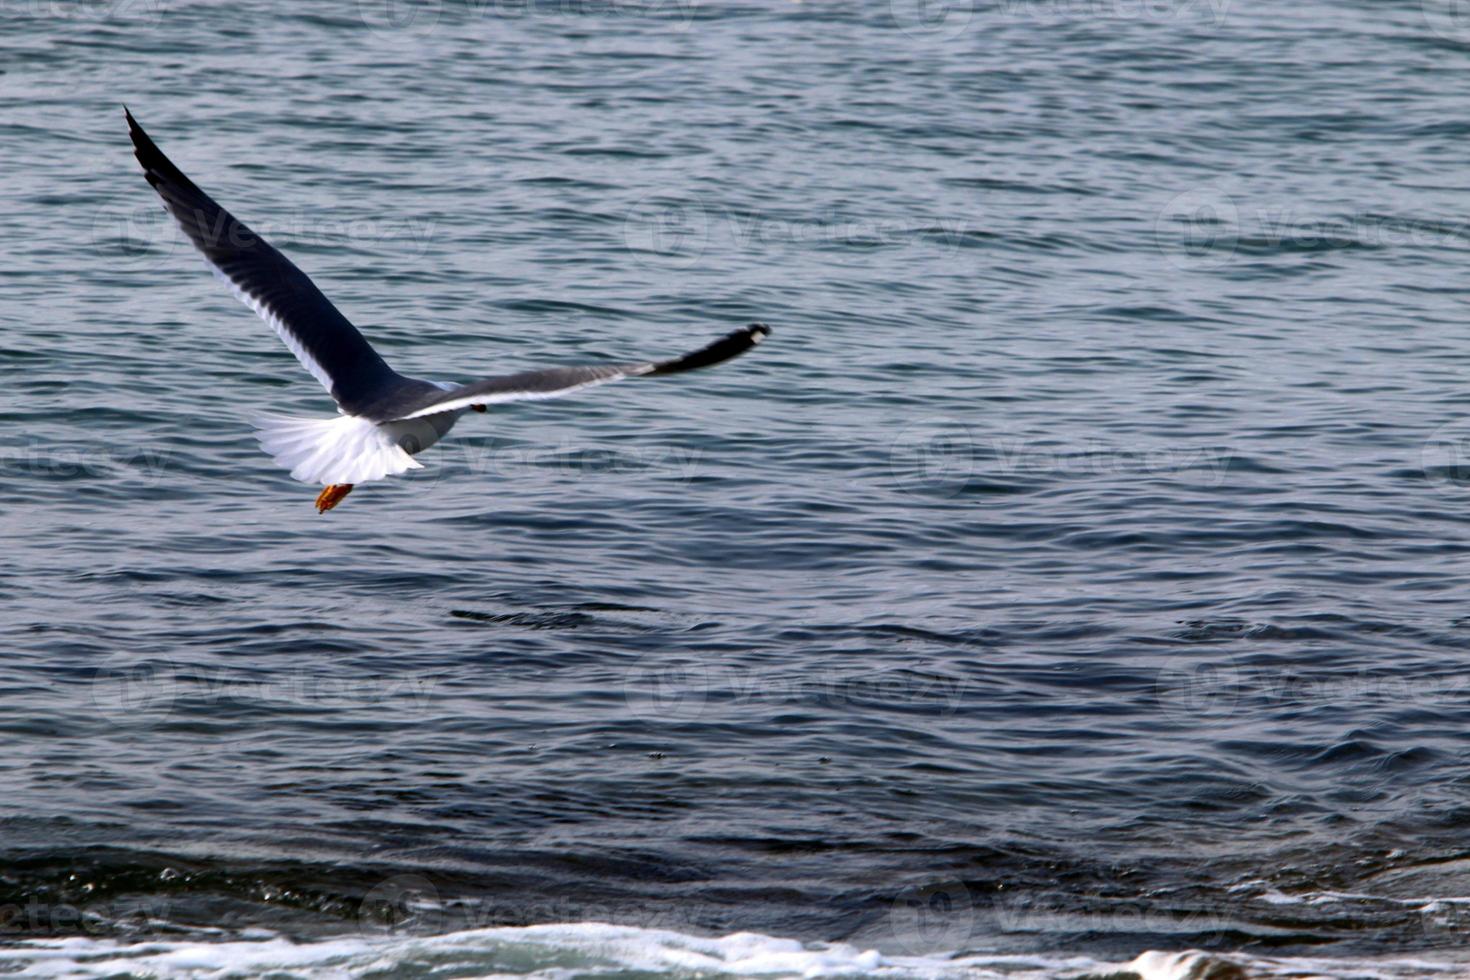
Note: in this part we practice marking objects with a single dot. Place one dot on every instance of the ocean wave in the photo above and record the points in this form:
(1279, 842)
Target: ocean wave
(592, 950)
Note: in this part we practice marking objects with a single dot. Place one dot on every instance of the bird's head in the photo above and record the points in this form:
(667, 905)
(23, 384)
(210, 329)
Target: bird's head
(478, 408)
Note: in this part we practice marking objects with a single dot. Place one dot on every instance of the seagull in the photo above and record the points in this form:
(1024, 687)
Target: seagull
(384, 419)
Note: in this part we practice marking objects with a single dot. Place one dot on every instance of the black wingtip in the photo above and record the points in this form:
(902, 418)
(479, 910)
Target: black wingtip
(140, 137)
(158, 169)
(731, 345)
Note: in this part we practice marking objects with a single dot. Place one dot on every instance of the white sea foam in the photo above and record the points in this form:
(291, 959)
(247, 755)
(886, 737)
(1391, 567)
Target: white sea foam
(592, 950)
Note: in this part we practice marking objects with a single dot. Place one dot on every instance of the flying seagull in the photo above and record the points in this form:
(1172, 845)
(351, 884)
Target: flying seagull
(384, 418)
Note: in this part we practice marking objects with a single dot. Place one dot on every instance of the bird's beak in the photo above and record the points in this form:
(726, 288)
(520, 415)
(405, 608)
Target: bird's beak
(478, 408)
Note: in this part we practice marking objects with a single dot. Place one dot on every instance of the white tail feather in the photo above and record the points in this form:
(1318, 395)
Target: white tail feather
(345, 449)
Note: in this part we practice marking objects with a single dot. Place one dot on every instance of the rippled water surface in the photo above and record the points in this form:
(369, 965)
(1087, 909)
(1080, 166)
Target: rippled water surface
(1082, 569)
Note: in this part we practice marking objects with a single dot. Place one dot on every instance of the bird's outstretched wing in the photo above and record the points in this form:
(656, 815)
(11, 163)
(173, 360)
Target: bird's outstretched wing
(326, 343)
(555, 382)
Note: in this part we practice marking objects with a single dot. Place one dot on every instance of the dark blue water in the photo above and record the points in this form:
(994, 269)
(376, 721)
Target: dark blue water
(1082, 568)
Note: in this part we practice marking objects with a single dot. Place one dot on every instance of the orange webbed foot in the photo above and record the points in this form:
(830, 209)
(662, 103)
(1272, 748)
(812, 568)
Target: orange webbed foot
(332, 496)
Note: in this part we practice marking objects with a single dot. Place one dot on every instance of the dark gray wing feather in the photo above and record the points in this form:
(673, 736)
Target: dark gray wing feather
(327, 344)
(555, 382)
